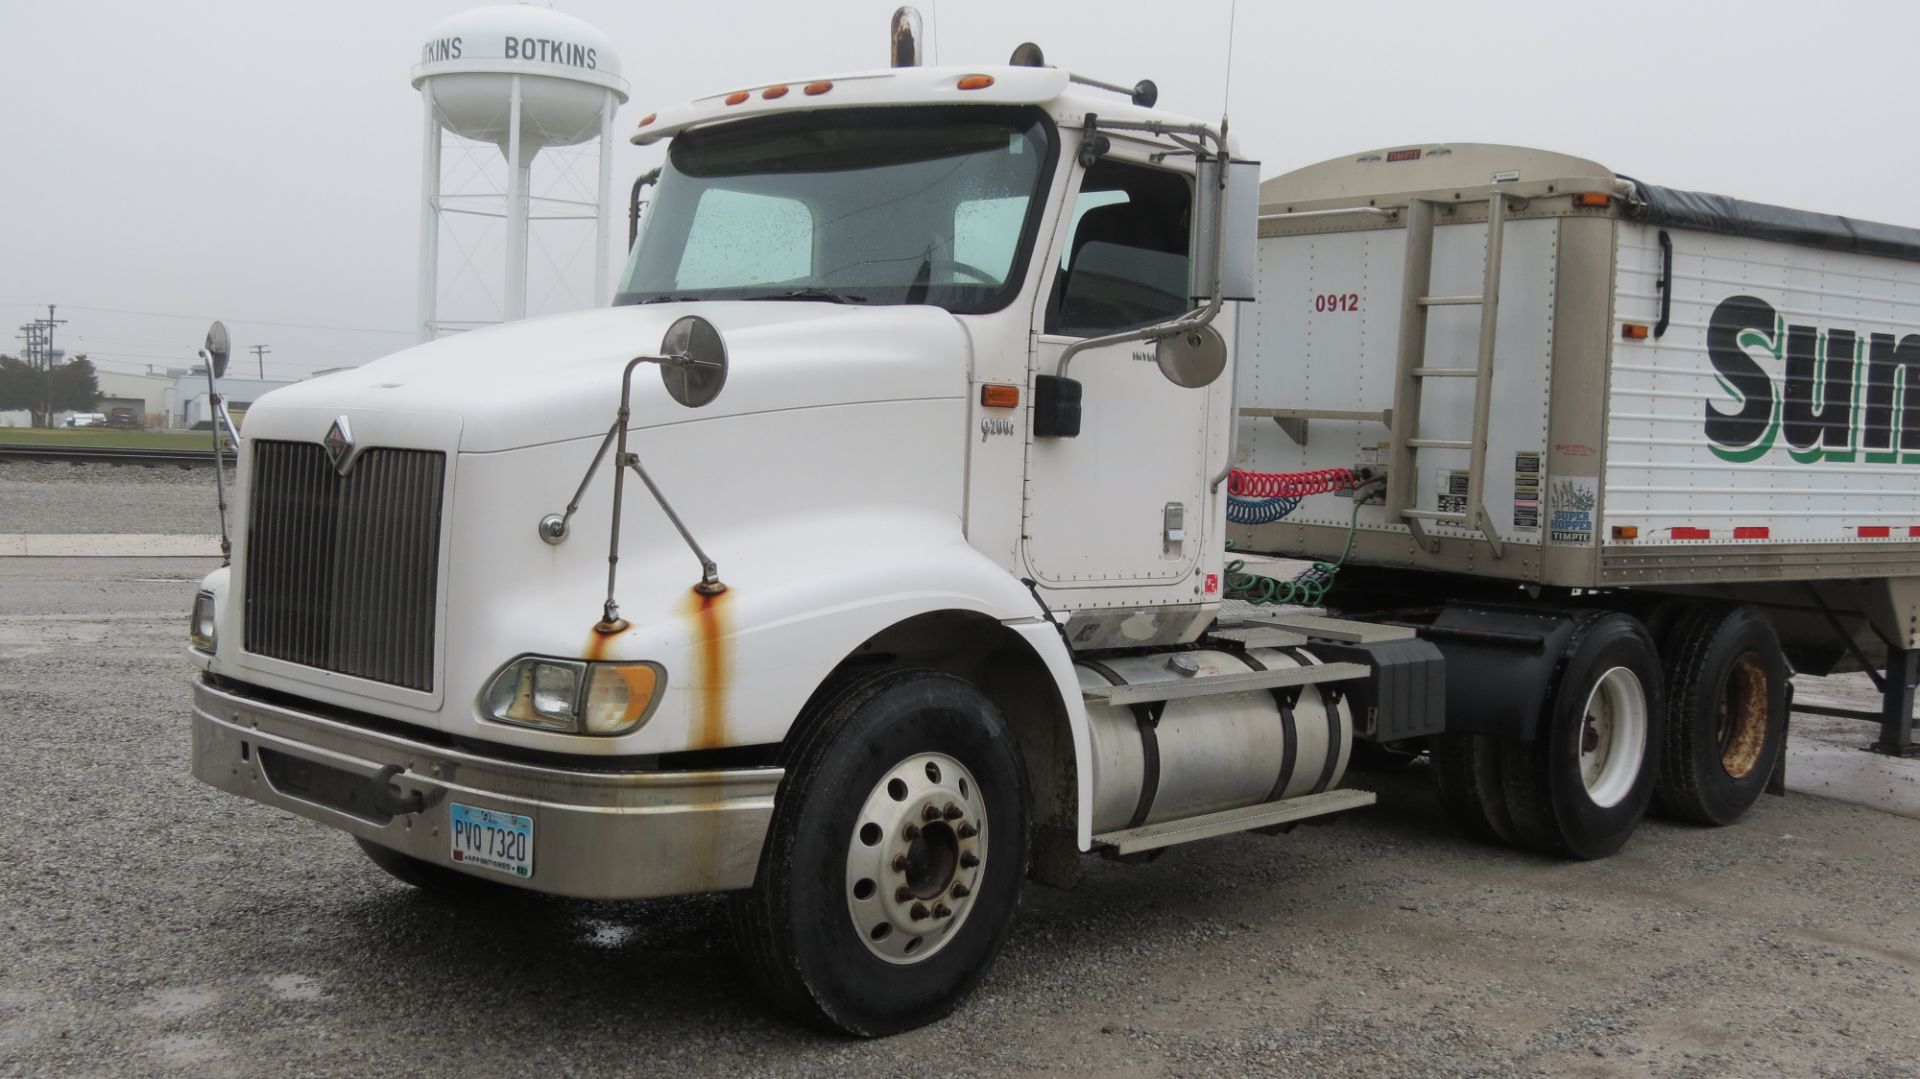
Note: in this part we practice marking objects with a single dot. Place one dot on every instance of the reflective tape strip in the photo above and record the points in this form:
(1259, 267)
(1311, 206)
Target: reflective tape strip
(1682, 532)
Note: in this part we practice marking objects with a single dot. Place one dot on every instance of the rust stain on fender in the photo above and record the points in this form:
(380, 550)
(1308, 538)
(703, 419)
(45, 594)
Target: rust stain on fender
(603, 635)
(709, 625)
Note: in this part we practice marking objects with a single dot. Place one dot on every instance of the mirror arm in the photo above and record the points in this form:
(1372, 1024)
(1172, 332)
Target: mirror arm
(218, 407)
(553, 527)
(710, 585)
(1192, 320)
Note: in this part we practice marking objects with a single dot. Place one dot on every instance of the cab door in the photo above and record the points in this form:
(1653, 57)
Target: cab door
(1118, 517)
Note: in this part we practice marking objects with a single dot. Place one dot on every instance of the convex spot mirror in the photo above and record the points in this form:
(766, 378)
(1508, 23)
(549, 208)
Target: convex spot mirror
(1192, 358)
(696, 367)
(219, 348)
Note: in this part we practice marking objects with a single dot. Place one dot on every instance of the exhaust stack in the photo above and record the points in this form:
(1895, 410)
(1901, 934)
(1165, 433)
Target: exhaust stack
(905, 38)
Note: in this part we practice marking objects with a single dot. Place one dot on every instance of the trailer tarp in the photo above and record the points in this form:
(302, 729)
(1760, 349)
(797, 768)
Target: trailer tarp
(1738, 217)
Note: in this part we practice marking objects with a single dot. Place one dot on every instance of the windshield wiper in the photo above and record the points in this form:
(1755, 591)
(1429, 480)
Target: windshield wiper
(811, 294)
(669, 298)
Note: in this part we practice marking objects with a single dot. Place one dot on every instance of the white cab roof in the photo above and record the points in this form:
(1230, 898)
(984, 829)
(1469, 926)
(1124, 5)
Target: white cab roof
(1067, 102)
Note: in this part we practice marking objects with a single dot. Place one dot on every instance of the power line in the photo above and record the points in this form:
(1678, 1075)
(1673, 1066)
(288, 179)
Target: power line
(204, 318)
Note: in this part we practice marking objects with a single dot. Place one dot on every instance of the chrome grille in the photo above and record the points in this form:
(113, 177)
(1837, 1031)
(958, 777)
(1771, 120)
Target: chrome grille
(341, 570)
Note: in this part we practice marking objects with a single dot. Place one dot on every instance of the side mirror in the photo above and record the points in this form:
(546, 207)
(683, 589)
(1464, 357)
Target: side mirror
(1192, 359)
(219, 348)
(696, 367)
(1226, 260)
(1056, 407)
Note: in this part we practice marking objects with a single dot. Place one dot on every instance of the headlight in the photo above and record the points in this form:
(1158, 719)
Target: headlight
(200, 629)
(569, 695)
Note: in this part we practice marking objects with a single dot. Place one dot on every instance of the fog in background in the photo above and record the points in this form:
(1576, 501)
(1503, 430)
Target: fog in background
(260, 162)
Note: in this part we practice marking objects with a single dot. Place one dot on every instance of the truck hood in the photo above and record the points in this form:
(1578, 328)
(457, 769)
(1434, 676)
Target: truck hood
(558, 378)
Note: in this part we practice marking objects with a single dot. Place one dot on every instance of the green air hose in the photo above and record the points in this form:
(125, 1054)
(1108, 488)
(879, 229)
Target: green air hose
(1308, 589)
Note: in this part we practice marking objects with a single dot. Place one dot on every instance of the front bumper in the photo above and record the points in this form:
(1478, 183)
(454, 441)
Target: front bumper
(597, 834)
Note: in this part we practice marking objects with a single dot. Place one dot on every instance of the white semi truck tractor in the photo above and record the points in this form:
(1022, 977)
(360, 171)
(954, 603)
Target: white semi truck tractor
(869, 555)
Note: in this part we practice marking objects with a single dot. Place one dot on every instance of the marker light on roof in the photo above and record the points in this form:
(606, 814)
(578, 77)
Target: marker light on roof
(774, 93)
(975, 82)
(650, 118)
(815, 89)
(736, 97)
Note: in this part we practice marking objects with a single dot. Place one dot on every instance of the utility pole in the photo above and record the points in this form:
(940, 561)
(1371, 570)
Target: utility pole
(38, 357)
(260, 357)
(46, 326)
(50, 322)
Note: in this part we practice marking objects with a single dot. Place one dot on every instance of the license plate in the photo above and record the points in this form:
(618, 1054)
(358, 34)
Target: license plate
(491, 839)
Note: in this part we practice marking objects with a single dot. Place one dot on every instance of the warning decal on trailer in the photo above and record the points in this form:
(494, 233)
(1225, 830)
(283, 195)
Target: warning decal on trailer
(1526, 492)
(1573, 501)
(1453, 490)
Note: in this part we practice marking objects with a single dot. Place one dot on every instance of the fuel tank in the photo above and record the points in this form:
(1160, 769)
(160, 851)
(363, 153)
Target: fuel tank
(1170, 760)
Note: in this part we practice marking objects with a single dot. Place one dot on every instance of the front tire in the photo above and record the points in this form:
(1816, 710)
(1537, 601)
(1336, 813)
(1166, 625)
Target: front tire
(895, 856)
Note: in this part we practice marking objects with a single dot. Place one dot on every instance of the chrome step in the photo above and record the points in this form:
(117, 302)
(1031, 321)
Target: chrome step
(1207, 685)
(1344, 630)
(1226, 822)
(1257, 635)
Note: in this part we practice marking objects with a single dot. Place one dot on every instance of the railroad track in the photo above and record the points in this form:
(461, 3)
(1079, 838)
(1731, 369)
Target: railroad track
(114, 455)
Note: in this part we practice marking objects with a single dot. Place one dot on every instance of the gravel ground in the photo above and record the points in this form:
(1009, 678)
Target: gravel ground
(152, 926)
(39, 497)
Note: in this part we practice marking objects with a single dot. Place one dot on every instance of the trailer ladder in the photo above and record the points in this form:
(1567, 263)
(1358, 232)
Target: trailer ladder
(1412, 372)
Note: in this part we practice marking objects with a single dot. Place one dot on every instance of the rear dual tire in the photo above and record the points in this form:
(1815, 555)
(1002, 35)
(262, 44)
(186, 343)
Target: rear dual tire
(1583, 784)
(1726, 712)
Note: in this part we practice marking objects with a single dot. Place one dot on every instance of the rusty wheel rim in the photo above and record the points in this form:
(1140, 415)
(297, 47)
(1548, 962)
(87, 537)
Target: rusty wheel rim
(914, 862)
(1740, 721)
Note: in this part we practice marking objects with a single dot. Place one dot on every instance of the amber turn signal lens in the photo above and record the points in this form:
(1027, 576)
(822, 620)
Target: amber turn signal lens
(815, 89)
(620, 696)
(1626, 531)
(997, 396)
(774, 93)
(975, 82)
(736, 97)
(1633, 331)
(1591, 198)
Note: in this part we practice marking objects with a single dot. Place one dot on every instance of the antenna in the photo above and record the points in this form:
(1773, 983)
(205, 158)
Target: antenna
(1226, 92)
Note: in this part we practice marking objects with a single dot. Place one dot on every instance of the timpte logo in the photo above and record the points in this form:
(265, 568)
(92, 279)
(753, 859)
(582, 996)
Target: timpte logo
(1836, 396)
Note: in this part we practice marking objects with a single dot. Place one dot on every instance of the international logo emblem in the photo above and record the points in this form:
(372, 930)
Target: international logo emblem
(339, 444)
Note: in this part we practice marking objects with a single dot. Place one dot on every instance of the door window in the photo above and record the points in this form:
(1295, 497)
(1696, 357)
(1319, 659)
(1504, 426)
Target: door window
(1127, 264)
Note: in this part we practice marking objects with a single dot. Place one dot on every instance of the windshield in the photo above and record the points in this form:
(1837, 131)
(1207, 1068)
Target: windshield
(868, 206)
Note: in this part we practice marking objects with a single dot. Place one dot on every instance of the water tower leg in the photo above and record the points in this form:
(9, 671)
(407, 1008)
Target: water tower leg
(604, 203)
(517, 174)
(429, 219)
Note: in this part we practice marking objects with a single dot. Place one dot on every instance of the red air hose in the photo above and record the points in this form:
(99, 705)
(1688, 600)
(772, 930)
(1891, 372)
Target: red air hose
(1289, 484)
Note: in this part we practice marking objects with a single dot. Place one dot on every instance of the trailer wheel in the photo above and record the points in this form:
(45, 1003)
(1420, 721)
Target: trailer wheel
(1726, 713)
(1580, 788)
(895, 856)
(1466, 768)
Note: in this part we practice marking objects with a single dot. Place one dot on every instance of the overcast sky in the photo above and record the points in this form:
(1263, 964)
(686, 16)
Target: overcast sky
(260, 161)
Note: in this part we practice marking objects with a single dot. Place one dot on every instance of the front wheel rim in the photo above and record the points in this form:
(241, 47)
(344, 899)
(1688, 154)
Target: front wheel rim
(916, 857)
(1613, 737)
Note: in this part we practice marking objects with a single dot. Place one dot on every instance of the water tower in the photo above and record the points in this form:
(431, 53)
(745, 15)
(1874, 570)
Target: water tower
(523, 78)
